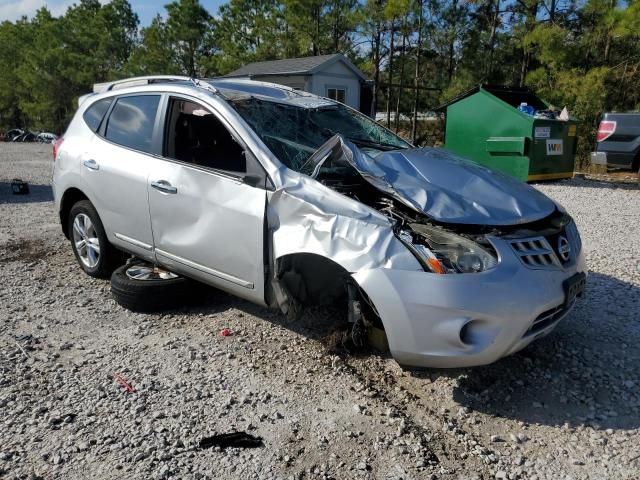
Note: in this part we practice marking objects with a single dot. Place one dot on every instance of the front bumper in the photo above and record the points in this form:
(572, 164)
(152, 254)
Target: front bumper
(463, 320)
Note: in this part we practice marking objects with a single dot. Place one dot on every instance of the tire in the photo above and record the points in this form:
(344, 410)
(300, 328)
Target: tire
(86, 233)
(149, 294)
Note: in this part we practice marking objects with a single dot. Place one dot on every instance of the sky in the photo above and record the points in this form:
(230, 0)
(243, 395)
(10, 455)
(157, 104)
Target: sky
(146, 9)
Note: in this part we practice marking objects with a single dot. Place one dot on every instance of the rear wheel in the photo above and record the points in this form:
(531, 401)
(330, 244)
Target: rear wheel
(143, 287)
(95, 255)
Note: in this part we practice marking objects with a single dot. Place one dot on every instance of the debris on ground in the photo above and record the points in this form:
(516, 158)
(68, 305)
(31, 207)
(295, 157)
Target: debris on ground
(123, 383)
(19, 187)
(232, 440)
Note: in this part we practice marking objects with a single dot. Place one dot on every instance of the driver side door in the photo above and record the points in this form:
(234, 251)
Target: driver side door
(207, 217)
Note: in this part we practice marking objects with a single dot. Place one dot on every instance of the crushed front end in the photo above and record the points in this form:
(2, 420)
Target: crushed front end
(485, 289)
(473, 307)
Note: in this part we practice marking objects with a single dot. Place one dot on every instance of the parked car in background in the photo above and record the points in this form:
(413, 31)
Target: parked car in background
(25, 137)
(19, 135)
(12, 134)
(618, 141)
(46, 137)
(288, 200)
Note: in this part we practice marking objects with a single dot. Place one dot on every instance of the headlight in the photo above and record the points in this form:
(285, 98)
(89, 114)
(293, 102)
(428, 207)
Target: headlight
(444, 252)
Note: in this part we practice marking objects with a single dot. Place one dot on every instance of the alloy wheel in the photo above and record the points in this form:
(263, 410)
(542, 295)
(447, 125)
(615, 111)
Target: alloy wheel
(86, 240)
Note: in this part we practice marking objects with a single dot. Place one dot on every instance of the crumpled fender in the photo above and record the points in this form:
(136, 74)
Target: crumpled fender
(306, 217)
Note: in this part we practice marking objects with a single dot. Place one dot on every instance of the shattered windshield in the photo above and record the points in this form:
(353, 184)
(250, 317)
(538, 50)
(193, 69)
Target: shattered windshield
(294, 133)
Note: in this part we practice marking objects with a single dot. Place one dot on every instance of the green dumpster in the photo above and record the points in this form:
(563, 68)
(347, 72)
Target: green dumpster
(485, 125)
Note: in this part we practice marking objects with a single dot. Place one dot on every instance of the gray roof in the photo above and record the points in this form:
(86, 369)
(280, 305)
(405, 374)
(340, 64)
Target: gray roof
(294, 66)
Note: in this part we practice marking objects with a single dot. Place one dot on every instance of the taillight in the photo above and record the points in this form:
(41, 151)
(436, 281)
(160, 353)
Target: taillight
(605, 130)
(56, 147)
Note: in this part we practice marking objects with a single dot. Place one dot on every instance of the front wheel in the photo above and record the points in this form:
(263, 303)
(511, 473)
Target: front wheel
(95, 255)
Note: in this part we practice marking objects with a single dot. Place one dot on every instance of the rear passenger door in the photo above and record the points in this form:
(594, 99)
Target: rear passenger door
(117, 166)
(207, 201)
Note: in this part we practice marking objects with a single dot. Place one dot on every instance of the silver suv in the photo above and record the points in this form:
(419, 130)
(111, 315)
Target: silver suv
(287, 199)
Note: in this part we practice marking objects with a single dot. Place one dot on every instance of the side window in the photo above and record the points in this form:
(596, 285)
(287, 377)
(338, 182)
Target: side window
(194, 134)
(94, 114)
(337, 94)
(131, 121)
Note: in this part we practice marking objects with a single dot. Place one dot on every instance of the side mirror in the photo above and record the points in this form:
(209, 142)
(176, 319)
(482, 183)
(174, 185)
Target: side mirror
(253, 180)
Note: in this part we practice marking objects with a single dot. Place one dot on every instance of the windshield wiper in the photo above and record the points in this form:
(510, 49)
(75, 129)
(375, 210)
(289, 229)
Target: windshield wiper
(373, 143)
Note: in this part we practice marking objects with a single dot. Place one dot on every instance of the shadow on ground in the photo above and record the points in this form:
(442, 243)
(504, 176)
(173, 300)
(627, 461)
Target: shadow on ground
(321, 324)
(593, 183)
(583, 373)
(37, 194)
(578, 375)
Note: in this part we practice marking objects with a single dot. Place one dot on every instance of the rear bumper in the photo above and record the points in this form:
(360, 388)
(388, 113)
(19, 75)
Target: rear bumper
(598, 158)
(613, 159)
(464, 320)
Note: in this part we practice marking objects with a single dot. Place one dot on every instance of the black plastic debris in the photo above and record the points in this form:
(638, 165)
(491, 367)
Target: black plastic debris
(233, 440)
(28, 342)
(19, 187)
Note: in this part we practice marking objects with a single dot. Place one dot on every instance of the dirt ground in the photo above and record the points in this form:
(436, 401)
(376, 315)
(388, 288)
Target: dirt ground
(567, 407)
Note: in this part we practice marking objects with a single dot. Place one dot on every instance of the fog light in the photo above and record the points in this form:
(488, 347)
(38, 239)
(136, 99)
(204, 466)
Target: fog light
(477, 334)
(465, 334)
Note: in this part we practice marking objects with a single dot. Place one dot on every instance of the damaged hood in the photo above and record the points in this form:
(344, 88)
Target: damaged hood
(442, 185)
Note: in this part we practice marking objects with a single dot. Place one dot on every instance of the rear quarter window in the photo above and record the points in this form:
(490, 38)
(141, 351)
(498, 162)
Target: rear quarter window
(95, 113)
(131, 121)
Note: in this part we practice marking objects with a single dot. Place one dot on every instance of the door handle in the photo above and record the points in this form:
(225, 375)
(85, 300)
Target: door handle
(164, 186)
(91, 164)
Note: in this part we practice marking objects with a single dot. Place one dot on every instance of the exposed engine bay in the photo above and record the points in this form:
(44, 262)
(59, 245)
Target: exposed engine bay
(439, 247)
(421, 235)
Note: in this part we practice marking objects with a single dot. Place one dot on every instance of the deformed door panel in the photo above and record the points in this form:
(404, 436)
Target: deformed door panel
(209, 226)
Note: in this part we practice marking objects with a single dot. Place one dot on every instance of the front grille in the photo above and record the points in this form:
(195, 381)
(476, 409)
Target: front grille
(542, 252)
(548, 318)
(535, 252)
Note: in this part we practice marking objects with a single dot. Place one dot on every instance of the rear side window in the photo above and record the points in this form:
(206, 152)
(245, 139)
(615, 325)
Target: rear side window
(131, 121)
(95, 113)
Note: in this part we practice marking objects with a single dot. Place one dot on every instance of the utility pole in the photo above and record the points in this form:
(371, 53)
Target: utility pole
(415, 78)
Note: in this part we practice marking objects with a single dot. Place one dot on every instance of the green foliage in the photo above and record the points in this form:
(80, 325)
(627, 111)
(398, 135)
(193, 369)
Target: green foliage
(154, 55)
(13, 38)
(47, 62)
(247, 31)
(187, 28)
(459, 84)
(584, 55)
(321, 26)
(627, 23)
(550, 44)
(43, 84)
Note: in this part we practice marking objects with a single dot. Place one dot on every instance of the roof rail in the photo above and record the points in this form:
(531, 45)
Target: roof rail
(146, 80)
(253, 82)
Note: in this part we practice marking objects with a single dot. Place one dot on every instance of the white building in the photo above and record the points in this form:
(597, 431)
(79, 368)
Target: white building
(332, 76)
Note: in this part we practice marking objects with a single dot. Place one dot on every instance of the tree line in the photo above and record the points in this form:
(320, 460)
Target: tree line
(584, 54)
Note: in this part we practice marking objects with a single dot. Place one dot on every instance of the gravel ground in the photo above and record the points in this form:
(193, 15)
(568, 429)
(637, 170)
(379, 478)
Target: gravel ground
(566, 407)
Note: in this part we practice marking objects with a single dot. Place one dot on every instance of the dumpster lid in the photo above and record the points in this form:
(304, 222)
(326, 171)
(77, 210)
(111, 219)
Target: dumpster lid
(514, 96)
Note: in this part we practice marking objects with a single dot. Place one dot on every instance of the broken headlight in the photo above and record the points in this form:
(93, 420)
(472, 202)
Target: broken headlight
(444, 252)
